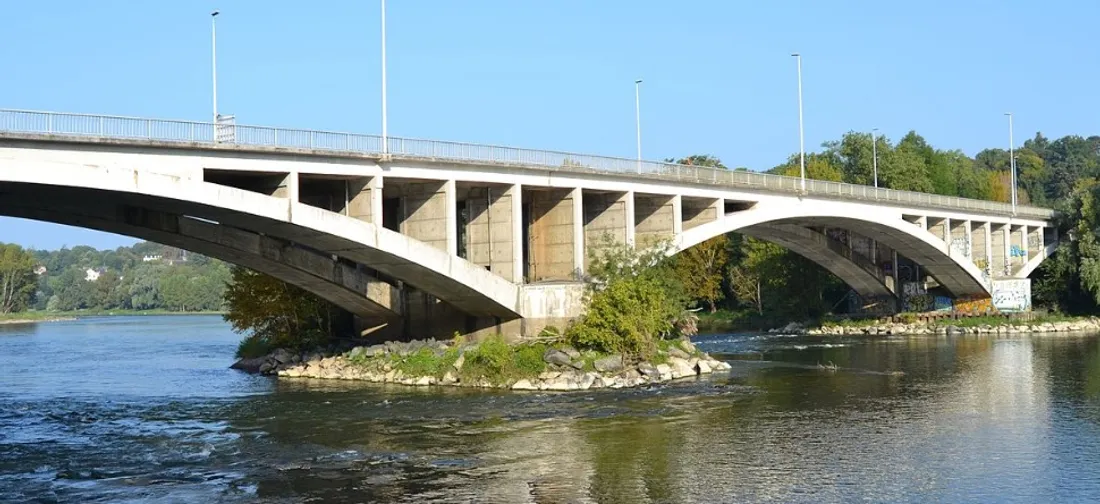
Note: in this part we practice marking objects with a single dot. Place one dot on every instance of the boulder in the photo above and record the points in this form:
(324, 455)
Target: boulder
(249, 365)
(587, 380)
(664, 372)
(557, 357)
(609, 364)
(282, 356)
(680, 368)
(268, 366)
(424, 380)
(449, 378)
(571, 352)
(703, 367)
(677, 353)
(549, 375)
(647, 369)
(524, 384)
(459, 361)
(358, 353)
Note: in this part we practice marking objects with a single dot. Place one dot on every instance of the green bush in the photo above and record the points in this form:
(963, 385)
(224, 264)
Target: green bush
(276, 313)
(501, 363)
(627, 316)
(253, 346)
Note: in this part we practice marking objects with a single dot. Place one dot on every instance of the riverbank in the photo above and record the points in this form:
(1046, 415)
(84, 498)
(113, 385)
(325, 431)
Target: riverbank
(974, 325)
(490, 364)
(30, 317)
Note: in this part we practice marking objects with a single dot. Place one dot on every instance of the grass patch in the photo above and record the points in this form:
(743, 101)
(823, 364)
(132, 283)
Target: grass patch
(1002, 321)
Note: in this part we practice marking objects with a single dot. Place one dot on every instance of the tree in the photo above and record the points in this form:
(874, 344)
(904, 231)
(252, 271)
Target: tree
(702, 269)
(276, 313)
(17, 280)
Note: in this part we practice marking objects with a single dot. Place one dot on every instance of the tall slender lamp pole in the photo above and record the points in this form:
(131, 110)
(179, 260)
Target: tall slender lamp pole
(385, 141)
(638, 119)
(801, 137)
(214, 65)
(874, 154)
(1012, 160)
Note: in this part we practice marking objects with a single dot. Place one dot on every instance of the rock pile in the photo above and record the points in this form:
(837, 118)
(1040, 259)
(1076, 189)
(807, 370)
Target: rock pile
(944, 327)
(566, 368)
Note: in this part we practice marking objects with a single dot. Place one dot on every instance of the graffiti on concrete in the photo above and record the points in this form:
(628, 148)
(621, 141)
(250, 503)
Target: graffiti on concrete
(942, 304)
(1012, 295)
(960, 246)
(974, 305)
(1017, 251)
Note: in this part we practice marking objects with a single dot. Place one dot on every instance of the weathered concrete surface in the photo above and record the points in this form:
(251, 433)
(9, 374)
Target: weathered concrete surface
(699, 211)
(554, 233)
(656, 218)
(550, 304)
(491, 234)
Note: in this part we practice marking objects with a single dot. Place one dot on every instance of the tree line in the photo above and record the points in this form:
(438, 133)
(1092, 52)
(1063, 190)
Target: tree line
(145, 276)
(765, 282)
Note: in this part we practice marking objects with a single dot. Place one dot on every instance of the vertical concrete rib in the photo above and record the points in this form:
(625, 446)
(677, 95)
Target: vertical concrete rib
(452, 216)
(516, 195)
(628, 217)
(577, 195)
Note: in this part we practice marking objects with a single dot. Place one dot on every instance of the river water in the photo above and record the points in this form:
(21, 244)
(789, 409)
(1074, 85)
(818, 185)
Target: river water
(144, 409)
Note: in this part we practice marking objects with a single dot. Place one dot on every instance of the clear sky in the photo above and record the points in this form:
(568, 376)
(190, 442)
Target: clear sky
(718, 75)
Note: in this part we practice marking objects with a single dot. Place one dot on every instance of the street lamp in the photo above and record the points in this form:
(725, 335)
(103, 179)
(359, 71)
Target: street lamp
(1012, 160)
(801, 137)
(638, 119)
(874, 154)
(214, 65)
(385, 147)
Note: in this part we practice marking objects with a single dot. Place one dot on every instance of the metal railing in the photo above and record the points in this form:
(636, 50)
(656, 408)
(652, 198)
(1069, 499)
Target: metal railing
(187, 132)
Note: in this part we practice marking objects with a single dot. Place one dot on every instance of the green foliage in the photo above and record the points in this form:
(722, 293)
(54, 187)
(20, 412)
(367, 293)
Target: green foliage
(277, 313)
(702, 269)
(500, 363)
(253, 346)
(635, 298)
(17, 280)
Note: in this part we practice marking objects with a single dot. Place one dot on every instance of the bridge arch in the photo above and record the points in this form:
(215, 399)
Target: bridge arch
(773, 221)
(456, 281)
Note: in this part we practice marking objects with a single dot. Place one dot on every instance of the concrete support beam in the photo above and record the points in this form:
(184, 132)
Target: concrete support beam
(364, 200)
(428, 213)
(490, 240)
(629, 218)
(578, 232)
(655, 218)
(515, 197)
(1024, 230)
(988, 249)
(1001, 257)
(288, 187)
(556, 234)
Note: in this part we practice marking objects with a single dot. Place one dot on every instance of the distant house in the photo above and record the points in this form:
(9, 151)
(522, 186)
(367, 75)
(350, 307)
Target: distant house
(91, 275)
(151, 258)
(39, 270)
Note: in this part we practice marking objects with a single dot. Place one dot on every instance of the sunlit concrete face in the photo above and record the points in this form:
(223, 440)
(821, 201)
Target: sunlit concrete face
(457, 242)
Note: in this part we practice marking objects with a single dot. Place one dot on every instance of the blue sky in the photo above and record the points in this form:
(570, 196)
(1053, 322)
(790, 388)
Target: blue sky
(718, 76)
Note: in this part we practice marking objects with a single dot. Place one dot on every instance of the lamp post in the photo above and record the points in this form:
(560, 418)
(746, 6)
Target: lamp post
(385, 142)
(874, 154)
(638, 119)
(801, 137)
(214, 65)
(1012, 160)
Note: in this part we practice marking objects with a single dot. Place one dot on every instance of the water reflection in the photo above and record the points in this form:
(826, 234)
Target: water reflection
(902, 419)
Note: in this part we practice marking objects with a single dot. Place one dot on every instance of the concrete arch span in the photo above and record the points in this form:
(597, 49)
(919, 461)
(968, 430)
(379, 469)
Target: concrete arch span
(467, 287)
(959, 276)
(856, 271)
(337, 282)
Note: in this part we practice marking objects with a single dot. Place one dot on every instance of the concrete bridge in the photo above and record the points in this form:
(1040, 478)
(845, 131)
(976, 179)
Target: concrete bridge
(426, 238)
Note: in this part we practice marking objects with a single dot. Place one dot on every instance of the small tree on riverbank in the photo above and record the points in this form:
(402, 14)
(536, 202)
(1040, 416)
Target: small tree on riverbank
(634, 299)
(277, 314)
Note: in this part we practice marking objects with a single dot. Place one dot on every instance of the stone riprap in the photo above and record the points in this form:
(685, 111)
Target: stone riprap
(565, 368)
(945, 327)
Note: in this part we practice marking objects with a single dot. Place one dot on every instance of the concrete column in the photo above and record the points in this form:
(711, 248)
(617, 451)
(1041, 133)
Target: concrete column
(628, 217)
(429, 214)
(515, 194)
(677, 215)
(452, 216)
(989, 248)
(1023, 238)
(364, 200)
(1006, 230)
(288, 187)
(897, 285)
(922, 221)
(947, 232)
(578, 231)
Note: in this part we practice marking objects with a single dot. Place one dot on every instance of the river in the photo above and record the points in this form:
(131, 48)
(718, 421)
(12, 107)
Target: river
(144, 409)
